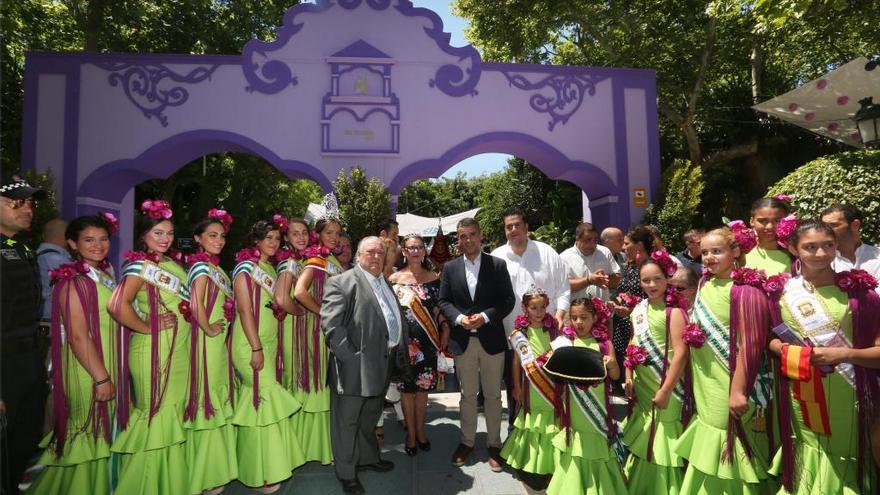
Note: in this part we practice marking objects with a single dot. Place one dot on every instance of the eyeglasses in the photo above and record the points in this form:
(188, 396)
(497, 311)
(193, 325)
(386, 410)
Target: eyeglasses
(414, 249)
(18, 203)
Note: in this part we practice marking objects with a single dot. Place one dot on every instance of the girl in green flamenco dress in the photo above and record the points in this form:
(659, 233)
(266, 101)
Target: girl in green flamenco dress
(210, 444)
(152, 304)
(828, 346)
(83, 355)
(588, 450)
(656, 361)
(267, 452)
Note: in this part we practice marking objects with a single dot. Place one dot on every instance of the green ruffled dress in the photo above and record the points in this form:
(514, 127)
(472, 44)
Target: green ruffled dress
(84, 465)
(530, 445)
(312, 425)
(703, 442)
(585, 463)
(827, 464)
(267, 448)
(210, 444)
(152, 451)
(772, 261)
(665, 472)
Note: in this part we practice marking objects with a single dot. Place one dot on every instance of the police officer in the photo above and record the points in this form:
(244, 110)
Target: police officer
(23, 392)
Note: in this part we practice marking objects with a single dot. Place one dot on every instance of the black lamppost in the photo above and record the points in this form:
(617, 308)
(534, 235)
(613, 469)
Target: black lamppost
(868, 121)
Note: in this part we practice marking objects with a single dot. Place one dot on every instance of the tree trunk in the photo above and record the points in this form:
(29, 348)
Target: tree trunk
(757, 62)
(92, 28)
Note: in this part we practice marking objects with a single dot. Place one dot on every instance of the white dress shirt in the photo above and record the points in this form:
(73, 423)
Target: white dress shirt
(867, 258)
(540, 266)
(385, 297)
(472, 276)
(580, 265)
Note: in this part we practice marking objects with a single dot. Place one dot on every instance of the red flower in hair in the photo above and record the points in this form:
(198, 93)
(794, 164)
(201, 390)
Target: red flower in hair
(784, 229)
(156, 209)
(281, 223)
(222, 215)
(783, 197)
(665, 262)
(603, 312)
(744, 235)
(111, 220)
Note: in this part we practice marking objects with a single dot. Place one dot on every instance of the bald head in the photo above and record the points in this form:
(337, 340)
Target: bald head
(53, 232)
(612, 238)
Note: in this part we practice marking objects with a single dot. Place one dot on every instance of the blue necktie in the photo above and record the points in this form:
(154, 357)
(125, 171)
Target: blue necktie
(390, 316)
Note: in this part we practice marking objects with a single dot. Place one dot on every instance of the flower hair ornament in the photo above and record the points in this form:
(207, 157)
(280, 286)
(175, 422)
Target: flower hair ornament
(111, 220)
(783, 197)
(665, 262)
(744, 235)
(157, 209)
(223, 216)
(281, 223)
(784, 229)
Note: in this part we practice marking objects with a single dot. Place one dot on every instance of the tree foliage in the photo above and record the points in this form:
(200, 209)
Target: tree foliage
(681, 187)
(364, 203)
(850, 178)
(440, 197)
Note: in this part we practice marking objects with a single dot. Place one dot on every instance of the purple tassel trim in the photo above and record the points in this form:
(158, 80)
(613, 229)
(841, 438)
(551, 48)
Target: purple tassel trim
(196, 332)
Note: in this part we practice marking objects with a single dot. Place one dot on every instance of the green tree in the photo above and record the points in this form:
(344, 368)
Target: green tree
(364, 203)
(681, 187)
(850, 178)
(439, 197)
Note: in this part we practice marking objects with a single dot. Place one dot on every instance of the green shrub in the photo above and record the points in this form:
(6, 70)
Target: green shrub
(680, 189)
(364, 203)
(852, 178)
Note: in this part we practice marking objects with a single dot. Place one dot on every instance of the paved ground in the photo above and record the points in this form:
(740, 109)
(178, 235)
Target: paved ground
(428, 473)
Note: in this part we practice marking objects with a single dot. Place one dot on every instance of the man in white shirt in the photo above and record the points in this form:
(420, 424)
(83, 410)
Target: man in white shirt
(591, 268)
(846, 220)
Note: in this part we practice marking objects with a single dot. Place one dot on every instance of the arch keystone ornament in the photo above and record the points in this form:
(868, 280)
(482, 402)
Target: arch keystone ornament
(373, 83)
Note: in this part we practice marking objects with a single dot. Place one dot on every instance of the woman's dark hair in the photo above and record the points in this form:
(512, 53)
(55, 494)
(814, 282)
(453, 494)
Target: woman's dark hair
(808, 225)
(427, 264)
(650, 261)
(259, 231)
(78, 224)
(202, 226)
(642, 234)
(584, 302)
(770, 203)
(144, 225)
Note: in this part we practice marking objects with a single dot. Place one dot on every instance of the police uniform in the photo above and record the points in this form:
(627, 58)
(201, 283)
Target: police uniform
(22, 349)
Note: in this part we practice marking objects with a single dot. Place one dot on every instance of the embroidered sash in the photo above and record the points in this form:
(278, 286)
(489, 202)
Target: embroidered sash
(527, 359)
(594, 410)
(815, 322)
(329, 264)
(155, 275)
(216, 274)
(718, 338)
(291, 265)
(645, 338)
(411, 300)
(101, 277)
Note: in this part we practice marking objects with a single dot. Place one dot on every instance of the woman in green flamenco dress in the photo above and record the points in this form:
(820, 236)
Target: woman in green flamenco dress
(588, 451)
(312, 424)
(289, 258)
(529, 448)
(725, 443)
(656, 361)
(263, 408)
(768, 215)
(84, 360)
(150, 303)
(210, 444)
(829, 349)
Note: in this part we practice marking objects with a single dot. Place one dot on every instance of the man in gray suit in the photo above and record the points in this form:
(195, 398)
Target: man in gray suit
(363, 326)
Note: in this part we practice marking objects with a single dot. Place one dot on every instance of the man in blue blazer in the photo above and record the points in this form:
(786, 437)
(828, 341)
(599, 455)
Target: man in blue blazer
(476, 294)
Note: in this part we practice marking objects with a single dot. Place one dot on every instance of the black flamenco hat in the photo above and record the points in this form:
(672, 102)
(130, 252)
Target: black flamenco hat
(576, 364)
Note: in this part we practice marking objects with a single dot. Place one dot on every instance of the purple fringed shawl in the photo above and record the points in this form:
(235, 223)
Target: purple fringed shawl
(865, 308)
(192, 405)
(748, 312)
(310, 379)
(99, 412)
(254, 290)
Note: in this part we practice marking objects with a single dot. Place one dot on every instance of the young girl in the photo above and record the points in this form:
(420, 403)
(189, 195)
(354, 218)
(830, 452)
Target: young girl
(768, 255)
(267, 448)
(529, 447)
(210, 444)
(657, 358)
(292, 328)
(726, 441)
(587, 452)
(828, 350)
(84, 365)
(152, 303)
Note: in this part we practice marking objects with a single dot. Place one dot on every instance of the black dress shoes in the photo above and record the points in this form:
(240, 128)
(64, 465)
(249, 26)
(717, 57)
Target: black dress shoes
(352, 487)
(382, 466)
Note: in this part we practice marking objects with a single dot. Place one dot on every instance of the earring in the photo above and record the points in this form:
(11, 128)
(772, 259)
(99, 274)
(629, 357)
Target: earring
(736, 263)
(797, 266)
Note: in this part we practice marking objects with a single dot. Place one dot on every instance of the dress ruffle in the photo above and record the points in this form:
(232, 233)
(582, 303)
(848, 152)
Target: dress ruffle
(703, 446)
(311, 434)
(86, 477)
(586, 445)
(276, 404)
(819, 472)
(142, 435)
(529, 451)
(223, 412)
(637, 432)
(266, 454)
(582, 476)
(80, 448)
(211, 457)
(647, 478)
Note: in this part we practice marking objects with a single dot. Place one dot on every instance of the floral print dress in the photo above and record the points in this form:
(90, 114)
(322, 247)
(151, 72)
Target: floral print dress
(422, 352)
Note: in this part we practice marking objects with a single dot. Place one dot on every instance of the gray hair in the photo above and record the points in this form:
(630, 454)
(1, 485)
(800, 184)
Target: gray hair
(368, 239)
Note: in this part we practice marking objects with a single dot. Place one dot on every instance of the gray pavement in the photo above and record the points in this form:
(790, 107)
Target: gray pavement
(428, 473)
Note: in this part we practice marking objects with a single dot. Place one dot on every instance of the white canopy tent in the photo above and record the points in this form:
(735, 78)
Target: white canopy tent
(409, 223)
(826, 106)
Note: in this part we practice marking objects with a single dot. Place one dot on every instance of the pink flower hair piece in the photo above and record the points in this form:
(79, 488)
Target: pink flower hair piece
(603, 312)
(783, 197)
(222, 215)
(665, 262)
(784, 229)
(156, 209)
(744, 235)
(693, 335)
(111, 220)
(281, 223)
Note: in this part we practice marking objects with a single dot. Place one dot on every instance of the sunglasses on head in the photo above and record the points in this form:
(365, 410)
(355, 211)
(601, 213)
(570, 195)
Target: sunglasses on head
(18, 203)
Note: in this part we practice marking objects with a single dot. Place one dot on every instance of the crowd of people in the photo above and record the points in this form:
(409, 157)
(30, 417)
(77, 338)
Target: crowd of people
(746, 362)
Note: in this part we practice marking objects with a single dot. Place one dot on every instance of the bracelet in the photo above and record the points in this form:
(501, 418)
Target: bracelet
(257, 350)
(101, 382)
